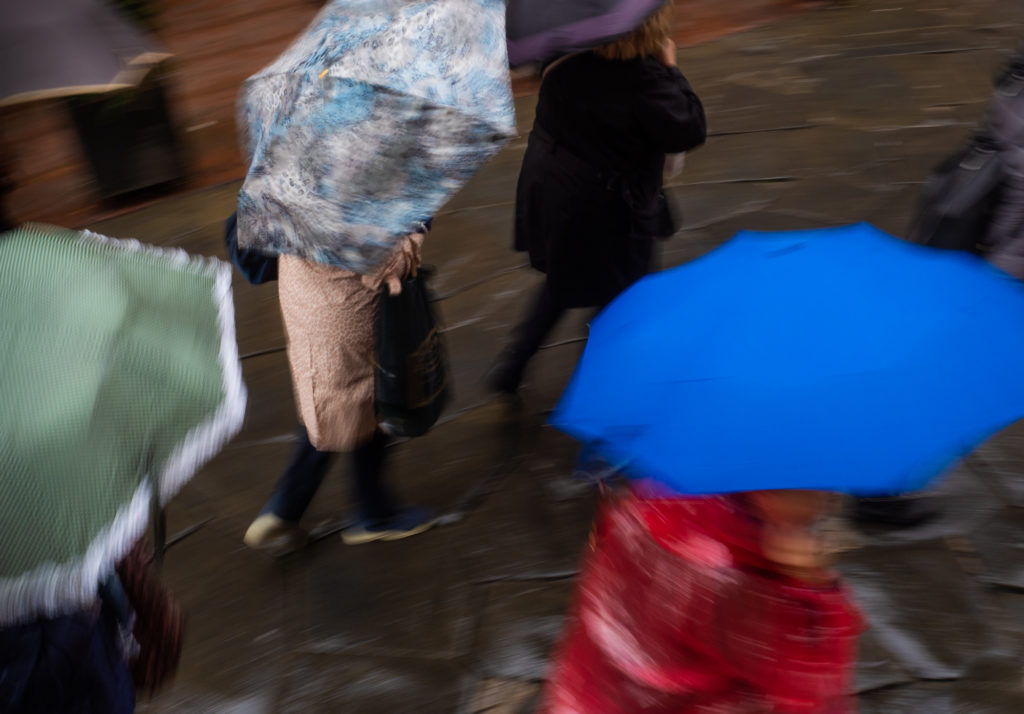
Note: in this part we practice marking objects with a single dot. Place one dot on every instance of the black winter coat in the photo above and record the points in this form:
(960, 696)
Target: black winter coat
(589, 202)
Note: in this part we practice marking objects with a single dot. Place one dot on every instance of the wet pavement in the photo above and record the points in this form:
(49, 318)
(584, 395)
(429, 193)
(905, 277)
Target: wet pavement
(828, 117)
(217, 44)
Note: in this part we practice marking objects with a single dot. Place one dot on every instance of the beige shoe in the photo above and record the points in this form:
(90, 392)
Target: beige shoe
(274, 535)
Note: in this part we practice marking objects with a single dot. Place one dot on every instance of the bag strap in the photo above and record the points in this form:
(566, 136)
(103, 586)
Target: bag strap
(158, 516)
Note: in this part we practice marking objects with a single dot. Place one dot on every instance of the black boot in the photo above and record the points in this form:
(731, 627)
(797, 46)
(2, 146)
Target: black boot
(900, 511)
(506, 373)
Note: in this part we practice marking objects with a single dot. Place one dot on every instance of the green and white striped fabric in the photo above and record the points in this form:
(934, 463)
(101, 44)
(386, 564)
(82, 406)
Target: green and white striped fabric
(119, 373)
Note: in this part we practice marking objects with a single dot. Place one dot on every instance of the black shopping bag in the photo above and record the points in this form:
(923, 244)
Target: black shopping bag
(412, 365)
(960, 197)
(257, 267)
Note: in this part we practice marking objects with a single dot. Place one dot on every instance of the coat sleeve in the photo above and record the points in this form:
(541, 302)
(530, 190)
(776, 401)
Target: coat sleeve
(671, 113)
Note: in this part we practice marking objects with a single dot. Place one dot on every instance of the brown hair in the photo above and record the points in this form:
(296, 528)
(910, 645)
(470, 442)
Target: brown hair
(644, 41)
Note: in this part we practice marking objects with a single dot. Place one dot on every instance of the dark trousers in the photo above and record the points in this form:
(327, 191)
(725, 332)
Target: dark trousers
(308, 466)
(543, 314)
(71, 663)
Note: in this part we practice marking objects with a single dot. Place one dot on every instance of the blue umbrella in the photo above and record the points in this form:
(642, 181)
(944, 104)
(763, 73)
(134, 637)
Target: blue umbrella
(841, 359)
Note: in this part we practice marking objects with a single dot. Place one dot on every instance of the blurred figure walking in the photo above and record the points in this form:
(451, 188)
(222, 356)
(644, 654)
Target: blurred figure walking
(707, 604)
(358, 132)
(589, 202)
(1006, 122)
(330, 318)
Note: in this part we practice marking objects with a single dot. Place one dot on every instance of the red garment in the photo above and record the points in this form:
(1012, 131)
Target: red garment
(678, 613)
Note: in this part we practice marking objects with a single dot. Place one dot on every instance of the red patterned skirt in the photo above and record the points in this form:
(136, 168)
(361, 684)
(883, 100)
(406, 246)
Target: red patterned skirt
(677, 612)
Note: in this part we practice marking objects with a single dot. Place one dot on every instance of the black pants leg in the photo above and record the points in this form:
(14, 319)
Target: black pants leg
(308, 466)
(372, 495)
(543, 315)
(300, 481)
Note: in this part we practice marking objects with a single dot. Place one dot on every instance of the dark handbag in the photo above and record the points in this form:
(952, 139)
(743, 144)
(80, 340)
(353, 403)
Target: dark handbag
(412, 385)
(257, 267)
(159, 622)
(670, 217)
(960, 197)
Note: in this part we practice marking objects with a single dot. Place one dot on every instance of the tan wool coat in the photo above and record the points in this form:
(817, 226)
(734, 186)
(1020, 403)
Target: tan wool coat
(330, 320)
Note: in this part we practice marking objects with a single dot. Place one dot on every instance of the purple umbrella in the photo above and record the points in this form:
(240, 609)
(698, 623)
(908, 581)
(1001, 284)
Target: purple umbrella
(540, 30)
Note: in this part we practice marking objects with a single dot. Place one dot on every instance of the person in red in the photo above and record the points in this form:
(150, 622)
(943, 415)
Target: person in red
(707, 605)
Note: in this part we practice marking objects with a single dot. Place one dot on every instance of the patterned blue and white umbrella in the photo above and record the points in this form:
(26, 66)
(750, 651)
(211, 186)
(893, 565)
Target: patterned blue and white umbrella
(368, 123)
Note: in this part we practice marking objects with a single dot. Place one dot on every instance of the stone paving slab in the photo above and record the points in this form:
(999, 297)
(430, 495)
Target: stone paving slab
(474, 455)
(839, 198)
(521, 623)
(522, 533)
(1011, 605)
(992, 686)
(931, 698)
(237, 635)
(269, 383)
(229, 502)
(798, 153)
(257, 318)
(400, 599)
(997, 462)
(329, 684)
(877, 668)
(470, 245)
(177, 219)
(903, 589)
(1000, 545)
(503, 696)
(496, 182)
(962, 503)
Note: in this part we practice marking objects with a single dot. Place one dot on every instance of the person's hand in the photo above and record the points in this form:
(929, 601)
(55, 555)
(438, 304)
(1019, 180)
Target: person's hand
(668, 53)
(797, 553)
(790, 539)
(402, 263)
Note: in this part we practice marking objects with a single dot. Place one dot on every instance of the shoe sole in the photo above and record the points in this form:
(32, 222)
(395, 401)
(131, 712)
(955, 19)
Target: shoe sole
(276, 545)
(276, 548)
(371, 536)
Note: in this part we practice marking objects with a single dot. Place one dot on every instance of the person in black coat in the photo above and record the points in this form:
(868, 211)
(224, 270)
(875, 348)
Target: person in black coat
(589, 202)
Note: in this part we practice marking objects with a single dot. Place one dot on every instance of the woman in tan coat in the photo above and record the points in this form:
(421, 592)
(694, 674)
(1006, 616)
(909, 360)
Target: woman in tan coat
(330, 317)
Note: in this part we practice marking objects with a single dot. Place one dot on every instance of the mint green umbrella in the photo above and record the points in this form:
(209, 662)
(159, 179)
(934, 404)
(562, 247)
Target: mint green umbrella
(120, 378)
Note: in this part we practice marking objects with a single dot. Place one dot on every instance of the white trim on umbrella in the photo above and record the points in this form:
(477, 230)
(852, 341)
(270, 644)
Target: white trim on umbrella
(57, 589)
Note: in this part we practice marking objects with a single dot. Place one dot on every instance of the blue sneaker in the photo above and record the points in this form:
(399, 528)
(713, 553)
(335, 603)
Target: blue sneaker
(407, 522)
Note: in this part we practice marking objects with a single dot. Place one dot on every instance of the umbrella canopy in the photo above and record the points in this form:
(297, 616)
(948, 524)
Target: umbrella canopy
(121, 377)
(57, 48)
(540, 30)
(368, 123)
(839, 359)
